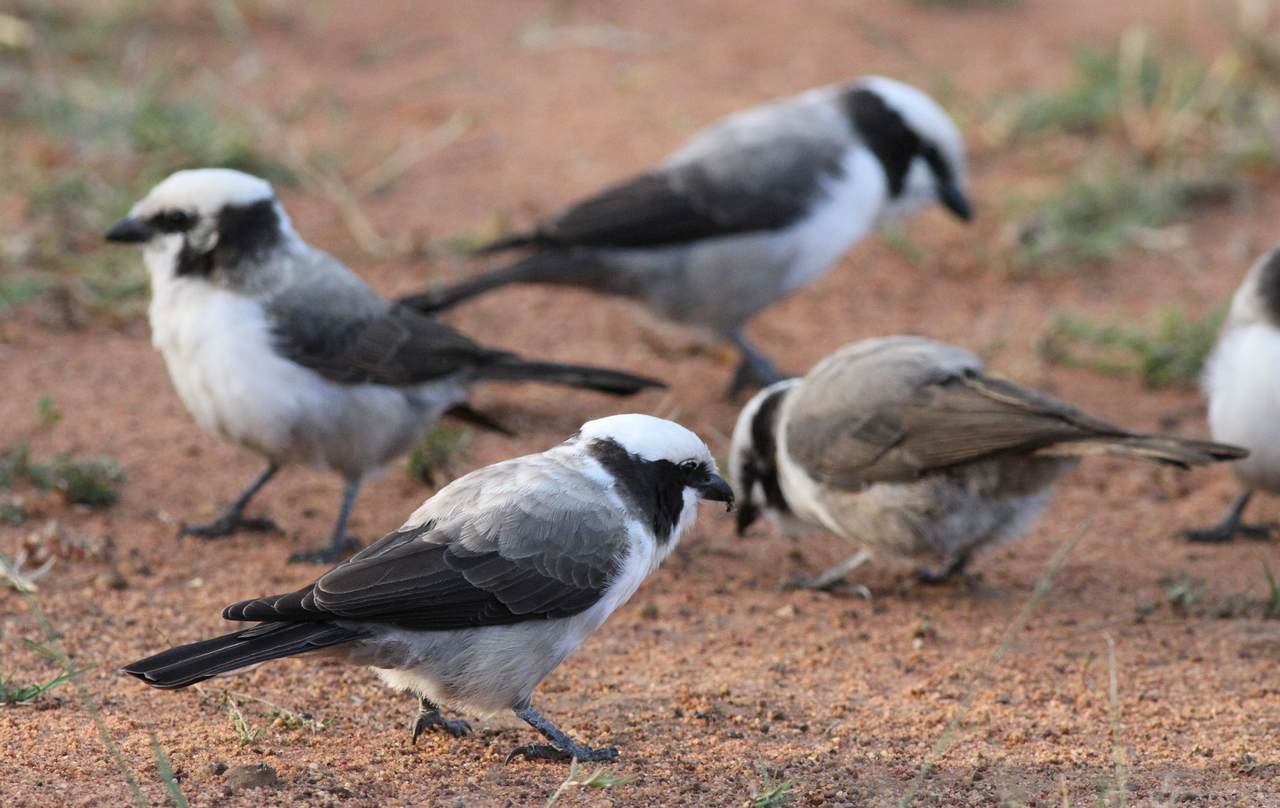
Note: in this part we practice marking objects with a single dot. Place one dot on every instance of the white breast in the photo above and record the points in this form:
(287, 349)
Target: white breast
(217, 347)
(851, 209)
(1242, 381)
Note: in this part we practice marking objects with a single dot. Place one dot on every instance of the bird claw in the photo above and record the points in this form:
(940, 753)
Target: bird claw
(820, 583)
(455, 727)
(1221, 534)
(799, 580)
(329, 555)
(542, 751)
(228, 524)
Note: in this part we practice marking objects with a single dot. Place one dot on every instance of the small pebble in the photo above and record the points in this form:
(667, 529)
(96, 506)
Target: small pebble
(255, 776)
(111, 579)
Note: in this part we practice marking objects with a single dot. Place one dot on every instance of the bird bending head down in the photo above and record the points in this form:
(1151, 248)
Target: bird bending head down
(750, 209)
(904, 447)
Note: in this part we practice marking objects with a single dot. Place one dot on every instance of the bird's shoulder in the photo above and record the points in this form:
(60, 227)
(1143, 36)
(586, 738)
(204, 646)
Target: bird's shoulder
(329, 320)
(761, 169)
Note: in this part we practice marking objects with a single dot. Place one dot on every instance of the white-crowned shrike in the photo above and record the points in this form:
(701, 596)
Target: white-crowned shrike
(749, 210)
(492, 583)
(1242, 382)
(281, 349)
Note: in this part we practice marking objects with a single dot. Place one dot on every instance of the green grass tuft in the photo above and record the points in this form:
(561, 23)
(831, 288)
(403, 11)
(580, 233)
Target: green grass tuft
(93, 481)
(773, 791)
(87, 137)
(1090, 220)
(601, 777)
(19, 695)
(1175, 354)
(434, 459)
(1271, 609)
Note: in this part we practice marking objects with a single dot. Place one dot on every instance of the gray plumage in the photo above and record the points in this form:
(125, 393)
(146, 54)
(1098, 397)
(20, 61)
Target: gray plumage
(904, 447)
(752, 208)
(283, 350)
(492, 583)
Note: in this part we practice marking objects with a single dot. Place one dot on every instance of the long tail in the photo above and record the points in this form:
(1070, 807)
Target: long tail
(1183, 452)
(512, 368)
(548, 266)
(189, 664)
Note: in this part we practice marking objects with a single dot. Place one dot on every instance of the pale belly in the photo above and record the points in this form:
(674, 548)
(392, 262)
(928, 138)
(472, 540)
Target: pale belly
(216, 346)
(1242, 380)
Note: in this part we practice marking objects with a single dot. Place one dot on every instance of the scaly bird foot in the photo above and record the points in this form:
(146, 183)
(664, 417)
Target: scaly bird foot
(429, 720)
(542, 751)
(227, 524)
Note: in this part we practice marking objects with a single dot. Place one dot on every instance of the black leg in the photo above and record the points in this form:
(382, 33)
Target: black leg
(232, 518)
(561, 748)
(429, 716)
(340, 542)
(927, 576)
(830, 577)
(1230, 525)
(755, 369)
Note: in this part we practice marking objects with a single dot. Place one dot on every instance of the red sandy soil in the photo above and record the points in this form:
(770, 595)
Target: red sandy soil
(710, 673)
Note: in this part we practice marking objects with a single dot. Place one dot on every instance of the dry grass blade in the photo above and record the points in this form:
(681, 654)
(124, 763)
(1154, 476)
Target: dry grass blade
(23, 582)
(60, 654)
(15, 32)
(1113, 699)
(336, 190)
(413, 150)
(1181, 104)
(167, 776)
(1006, 641)
(602, 777)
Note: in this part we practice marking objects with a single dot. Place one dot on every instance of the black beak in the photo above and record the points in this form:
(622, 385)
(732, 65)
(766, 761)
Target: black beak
(129, 231)
(717, 490)
(954, 200)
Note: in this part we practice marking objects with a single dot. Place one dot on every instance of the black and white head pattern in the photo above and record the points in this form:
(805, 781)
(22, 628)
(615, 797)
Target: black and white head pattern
(914, 139)
(226, 222)
(661, 469)
(1267, 286)
(753, 458)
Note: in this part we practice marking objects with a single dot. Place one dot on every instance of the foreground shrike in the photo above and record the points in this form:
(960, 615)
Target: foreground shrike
(902, 446)
(749, 210)
(1242, 383)
(492, 583)
(279, 348)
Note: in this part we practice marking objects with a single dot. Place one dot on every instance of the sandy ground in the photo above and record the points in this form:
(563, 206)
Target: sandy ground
(710, 673)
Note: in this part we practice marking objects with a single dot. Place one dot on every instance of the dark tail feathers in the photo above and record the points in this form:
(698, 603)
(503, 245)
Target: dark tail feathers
(514, 369)
(1183, 452)
(511, 242)
(549, 266)
(189, 664)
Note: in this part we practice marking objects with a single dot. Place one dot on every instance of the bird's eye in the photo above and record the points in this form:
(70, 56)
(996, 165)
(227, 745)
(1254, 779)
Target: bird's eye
(173, 221)
(690, 465)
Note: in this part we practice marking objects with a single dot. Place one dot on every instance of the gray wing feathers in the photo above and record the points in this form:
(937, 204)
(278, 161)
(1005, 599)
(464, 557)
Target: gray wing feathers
(900, 408)
(1174, 450)
(336, 325)
(329, 320)
(482, 552)
(761, 169)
